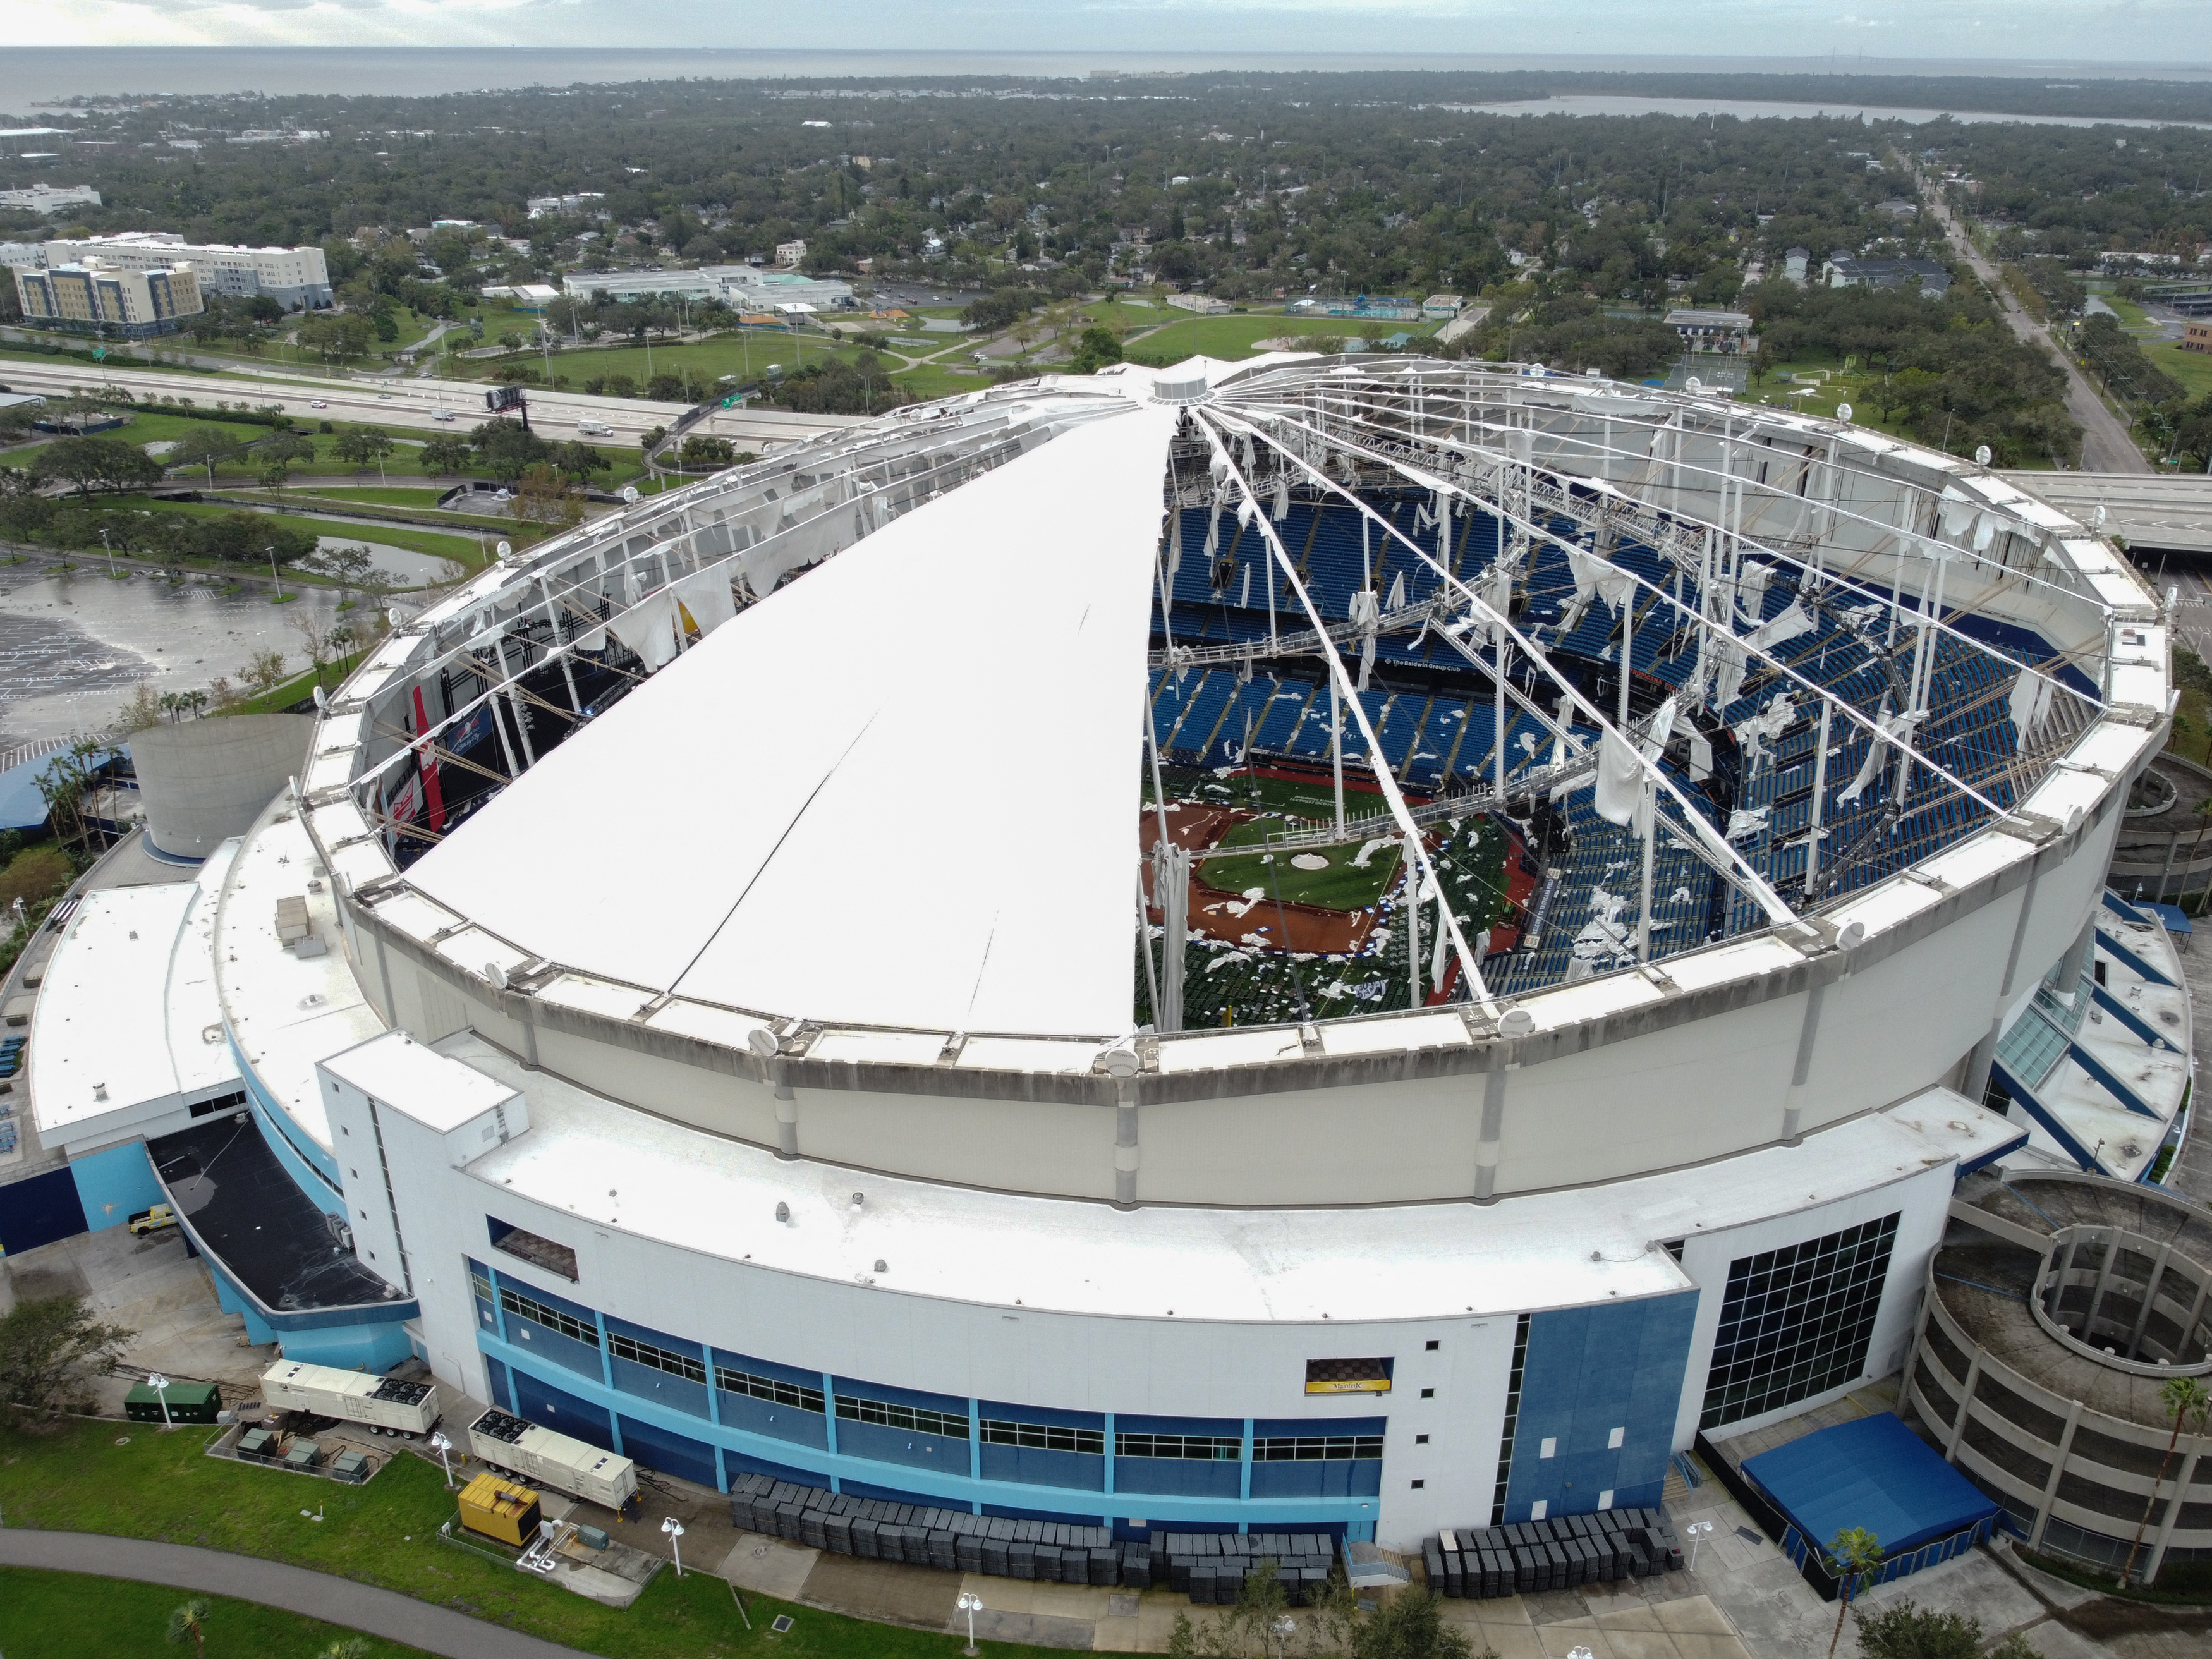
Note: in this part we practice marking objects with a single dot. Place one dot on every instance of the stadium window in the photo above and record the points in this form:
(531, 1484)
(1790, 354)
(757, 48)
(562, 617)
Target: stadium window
(231, 1102)
(1420, 1440)
(1428, 1394)
(1044, 1437)
(1417, 1484)
(551, 1318)
(1796, 1322)
(913, 1419)
(1433, 1346)
(529, 1247)
(1195, 1447)
(689, 1367)
(480, 1282)
(775, 1391)
(1317, 1447)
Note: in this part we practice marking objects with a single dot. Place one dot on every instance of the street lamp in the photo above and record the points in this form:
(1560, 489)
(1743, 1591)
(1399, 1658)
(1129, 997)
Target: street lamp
(971, 1604)
(674, 1530)
(441, 1445)
(273, 575)
(1283, 1629)
(160, 1384)
(110, 546)
(1697, 1529)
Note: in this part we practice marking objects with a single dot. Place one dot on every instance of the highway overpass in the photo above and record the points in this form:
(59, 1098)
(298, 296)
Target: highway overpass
(2155, 512)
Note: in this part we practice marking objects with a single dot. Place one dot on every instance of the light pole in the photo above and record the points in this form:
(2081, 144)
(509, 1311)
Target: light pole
(273, 575)
(971, 1604)
(441, 1445)
(1283, 1629)
(110, 546)
(1697, 1529)
(674, 1530)
(160, 1384)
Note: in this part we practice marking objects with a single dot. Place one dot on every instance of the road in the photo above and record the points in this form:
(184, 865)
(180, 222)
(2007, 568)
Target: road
(322, 1595)
(416, 404)
(2105, 445)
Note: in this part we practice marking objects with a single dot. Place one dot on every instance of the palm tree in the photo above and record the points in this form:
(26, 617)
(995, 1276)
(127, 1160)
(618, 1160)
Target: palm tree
(189, 1624)
(2186, 1401)
(1854, 1553)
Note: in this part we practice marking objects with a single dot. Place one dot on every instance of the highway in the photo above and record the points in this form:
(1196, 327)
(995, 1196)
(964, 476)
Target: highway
(2105, 444)
(416, 404)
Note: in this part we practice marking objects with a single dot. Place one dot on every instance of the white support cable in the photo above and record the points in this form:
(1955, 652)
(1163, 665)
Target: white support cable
(1339, 678)
(1535, 530)
(1777, 909)
(1929, 546)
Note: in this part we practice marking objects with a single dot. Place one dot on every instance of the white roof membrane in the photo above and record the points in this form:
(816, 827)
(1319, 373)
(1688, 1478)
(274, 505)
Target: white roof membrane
(807, 811)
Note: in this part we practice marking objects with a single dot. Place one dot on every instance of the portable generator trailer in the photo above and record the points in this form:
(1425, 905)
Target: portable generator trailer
(383, 1405)
(547, 1459)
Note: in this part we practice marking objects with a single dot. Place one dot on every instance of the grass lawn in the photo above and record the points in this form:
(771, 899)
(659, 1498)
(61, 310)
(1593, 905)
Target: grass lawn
(1340, 884)
(159, 1485)
(298, 688)
(927, 380)
(744, 353)
(1235, 336)
(67, 1615)
(462, 552)
(2192, 368)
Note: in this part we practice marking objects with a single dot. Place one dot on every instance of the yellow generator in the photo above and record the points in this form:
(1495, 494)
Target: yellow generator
(499, 1509)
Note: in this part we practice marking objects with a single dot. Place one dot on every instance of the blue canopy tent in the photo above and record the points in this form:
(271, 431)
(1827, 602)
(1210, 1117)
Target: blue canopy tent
(1873, 1472)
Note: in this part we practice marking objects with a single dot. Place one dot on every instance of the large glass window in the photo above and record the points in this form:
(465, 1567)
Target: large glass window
(551, 1318)
(689, 1366)
(1795, 1323)
(1044, 1437)
(775, 1391)
(1316, 1448)
(1201, 1448)
(913, 1419)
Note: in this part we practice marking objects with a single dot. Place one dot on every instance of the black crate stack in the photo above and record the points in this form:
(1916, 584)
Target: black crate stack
(1211, 1567)
(1475, 1562)
(951, 1541)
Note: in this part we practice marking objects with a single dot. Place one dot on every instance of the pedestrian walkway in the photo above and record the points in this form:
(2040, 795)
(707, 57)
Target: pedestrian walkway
(336, 1600)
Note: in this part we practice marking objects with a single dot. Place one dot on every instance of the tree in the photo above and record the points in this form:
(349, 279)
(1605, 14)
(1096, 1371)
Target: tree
(1907, 1632)
(50, 1348)
(206, 446)
(285, 444)
(364, 446)
(444, 455)
(1096, 349)
(544, 496)
(2188, 1404)
(189, 1624)
(264, 670)
(89, 463)
(338, 339)
(703, 449)
(67, 779)
(506, 447)
(1853, 1553)
(578, 460)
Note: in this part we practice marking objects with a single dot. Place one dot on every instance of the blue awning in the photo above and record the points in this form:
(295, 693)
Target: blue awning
(1873, 1472)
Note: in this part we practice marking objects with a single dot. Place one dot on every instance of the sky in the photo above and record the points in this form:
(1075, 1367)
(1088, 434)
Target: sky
(2049, 33)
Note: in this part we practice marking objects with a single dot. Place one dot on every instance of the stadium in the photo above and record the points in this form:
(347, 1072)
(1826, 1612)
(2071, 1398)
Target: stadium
(1031, 957)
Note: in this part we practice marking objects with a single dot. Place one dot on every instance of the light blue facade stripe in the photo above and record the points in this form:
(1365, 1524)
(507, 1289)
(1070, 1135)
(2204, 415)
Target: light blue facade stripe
(975, 1442)
(1244, 1471)
(829, 1421)
(1109, 1454)
(607, 1377)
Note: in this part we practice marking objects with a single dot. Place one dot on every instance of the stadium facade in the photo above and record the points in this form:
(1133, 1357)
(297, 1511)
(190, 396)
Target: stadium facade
(742, 983)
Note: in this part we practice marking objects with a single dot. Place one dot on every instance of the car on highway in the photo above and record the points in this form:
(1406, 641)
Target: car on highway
(594, 429)
(317, 402)
(443, 414)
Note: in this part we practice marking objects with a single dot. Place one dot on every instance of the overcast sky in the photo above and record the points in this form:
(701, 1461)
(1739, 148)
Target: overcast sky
(2049, 31)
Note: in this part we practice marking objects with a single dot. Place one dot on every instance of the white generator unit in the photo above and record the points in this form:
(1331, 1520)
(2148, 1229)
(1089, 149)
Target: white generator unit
(553, 1460)
(384, 1405)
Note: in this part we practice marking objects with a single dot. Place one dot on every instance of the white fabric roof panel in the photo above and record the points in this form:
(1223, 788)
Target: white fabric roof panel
(842, 759)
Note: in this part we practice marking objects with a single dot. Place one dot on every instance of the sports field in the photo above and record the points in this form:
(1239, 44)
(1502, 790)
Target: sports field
(1349, 878)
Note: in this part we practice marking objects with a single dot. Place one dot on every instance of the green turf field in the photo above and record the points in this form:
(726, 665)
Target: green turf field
(1341, 884)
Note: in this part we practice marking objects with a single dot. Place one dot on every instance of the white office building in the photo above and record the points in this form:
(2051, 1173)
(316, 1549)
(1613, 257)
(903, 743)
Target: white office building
(298, 278)
(44, 198)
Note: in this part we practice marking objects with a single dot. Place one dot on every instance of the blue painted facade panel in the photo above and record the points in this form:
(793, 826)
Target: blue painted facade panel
(648, 1382)
(738, 1462)
(1334, 1477)
(38, 1211)
(542, 1402)
(803, 1428)
(879, 1444)
(314, 1171)
(1035, 1466)
(502, 1391)
(582, 1358)
(1178, 1477)
(673, 1454)
(1589, 1372)
(114, 1185)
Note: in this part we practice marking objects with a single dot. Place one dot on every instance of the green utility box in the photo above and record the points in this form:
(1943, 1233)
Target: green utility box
(188, 1402)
